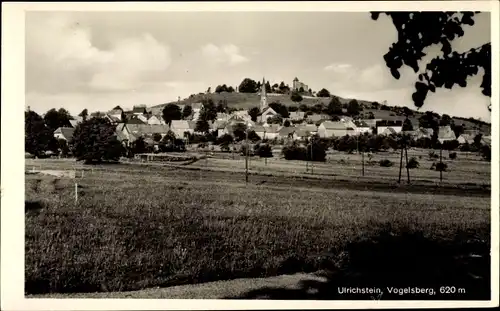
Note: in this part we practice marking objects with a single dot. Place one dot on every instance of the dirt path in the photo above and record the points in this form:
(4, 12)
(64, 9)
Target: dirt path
(211, 290)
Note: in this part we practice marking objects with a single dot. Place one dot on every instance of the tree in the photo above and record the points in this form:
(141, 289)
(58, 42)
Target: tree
(254, 113)
(296, 97)
(248, 86)
(427, 120)
(407, 125)
(239, 131)
(37, 137)
(187, 111)
(202, 126)
(323, 93)
(286, 123)
(264, 151)
(370, 116)
(95, 140)
(84, 114)
(209, 90)
(252, 136)
(171, 112)
(353, 108)
(63, 147)
(419, 30)
(445, 120)
(54, 119)
(280, 108)
(209, 110)
(277, 119)
(157, 137)
(334, 107)
(458, 129)
(301, 89)
(268, 87)
(304, 108)
(139, 146)
(230, 89)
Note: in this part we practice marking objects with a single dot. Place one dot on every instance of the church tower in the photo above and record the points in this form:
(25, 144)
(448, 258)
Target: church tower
(263, 95)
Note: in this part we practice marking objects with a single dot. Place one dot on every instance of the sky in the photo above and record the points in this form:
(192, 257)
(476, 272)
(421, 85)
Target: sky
(97, 60)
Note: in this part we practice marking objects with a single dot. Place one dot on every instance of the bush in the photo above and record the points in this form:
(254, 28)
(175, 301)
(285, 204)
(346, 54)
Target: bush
(453, 155)
(386, 163)
(413, 163)
(433, 155)
(486, 152)
(294, 152)
(439, 166)
(264, 150)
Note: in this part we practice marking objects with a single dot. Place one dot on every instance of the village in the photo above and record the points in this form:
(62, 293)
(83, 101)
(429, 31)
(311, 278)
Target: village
(267, 126)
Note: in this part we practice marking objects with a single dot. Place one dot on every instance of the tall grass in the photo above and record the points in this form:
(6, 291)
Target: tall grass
(129, 231)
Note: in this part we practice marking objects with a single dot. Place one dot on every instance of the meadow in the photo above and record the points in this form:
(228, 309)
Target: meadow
(141, 226)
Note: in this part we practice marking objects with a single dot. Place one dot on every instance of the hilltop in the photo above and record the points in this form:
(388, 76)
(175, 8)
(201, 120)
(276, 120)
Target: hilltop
(248, 100)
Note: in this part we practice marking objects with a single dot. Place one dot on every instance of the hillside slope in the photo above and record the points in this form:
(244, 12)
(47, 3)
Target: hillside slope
(249, 100)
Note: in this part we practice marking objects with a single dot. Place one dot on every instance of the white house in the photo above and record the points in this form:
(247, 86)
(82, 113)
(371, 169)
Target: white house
(445, 134)
(179, 127)
(65, 133)
(336, 128)
(297, 115)
(156, 120)
(362, 127)
(267, 113)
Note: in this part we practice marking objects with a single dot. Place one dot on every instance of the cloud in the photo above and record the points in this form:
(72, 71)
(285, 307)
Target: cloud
(61, 56)
(228, 54)
(338, 67)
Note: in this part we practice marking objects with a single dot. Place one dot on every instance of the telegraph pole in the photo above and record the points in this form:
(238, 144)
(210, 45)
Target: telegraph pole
(246, 157)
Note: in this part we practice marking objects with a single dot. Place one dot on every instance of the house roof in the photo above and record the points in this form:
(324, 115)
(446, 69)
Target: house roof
(113, 118)
(360, 123)
(425, 131)
(196, 106)
(285, 131)
(67, 132)
(273, 128)
(268, 110)
(135, 120)
(115, 111)
(468, 138)
(97, 114)
(297, 114)
(142, 129)
(445, 132)
(219, 124)
(74, 123)
(389, 130)
(183, 124)
(259, 128)
(318, 117)
(301, 132)
(334, 125)
(139, 109)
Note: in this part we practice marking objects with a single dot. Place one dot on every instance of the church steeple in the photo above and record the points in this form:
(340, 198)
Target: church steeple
(263, 95)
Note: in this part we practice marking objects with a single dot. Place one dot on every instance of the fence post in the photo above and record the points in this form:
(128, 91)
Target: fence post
(407, 169)
(76, 193)
(400, 165)
(441, 160)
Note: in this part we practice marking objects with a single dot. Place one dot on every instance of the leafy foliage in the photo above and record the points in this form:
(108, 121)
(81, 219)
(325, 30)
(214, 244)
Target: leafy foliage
(37, 137)
(413, 163)
(248, 86)
(386, 163)
(323, 93)
(264, 150)
(171, 112)
(254, 113)
(419, 30)
(407, 125)
(334, 107)
(187, 111)
(296, 97)
(57, 118)
(95, 140)
(353, 108)
(280, 108)
(202, 126)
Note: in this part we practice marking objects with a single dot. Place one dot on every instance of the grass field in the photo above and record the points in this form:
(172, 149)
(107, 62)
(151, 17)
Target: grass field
(136, 227)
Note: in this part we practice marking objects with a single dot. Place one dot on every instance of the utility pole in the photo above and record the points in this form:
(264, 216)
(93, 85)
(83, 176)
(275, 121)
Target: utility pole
(312, 157)
(246, 157)
(407, 168)
(441, 160)
(400, 164)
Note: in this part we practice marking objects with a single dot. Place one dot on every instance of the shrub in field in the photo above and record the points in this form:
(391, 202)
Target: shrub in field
(386, 163)
(433, 155)
(264, 150)
(486, 152)
(453, 155)
(413, 163)
(294, 152)
(439, 166)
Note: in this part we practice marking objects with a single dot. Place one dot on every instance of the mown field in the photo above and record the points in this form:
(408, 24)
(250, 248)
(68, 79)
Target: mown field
(137, 227)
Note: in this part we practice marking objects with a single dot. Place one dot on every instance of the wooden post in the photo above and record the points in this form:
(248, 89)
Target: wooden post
(312, 158)
(441, 160)
(363, 163)
(407, 168)
(76, 193)
(246, 157)
(400, 165)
